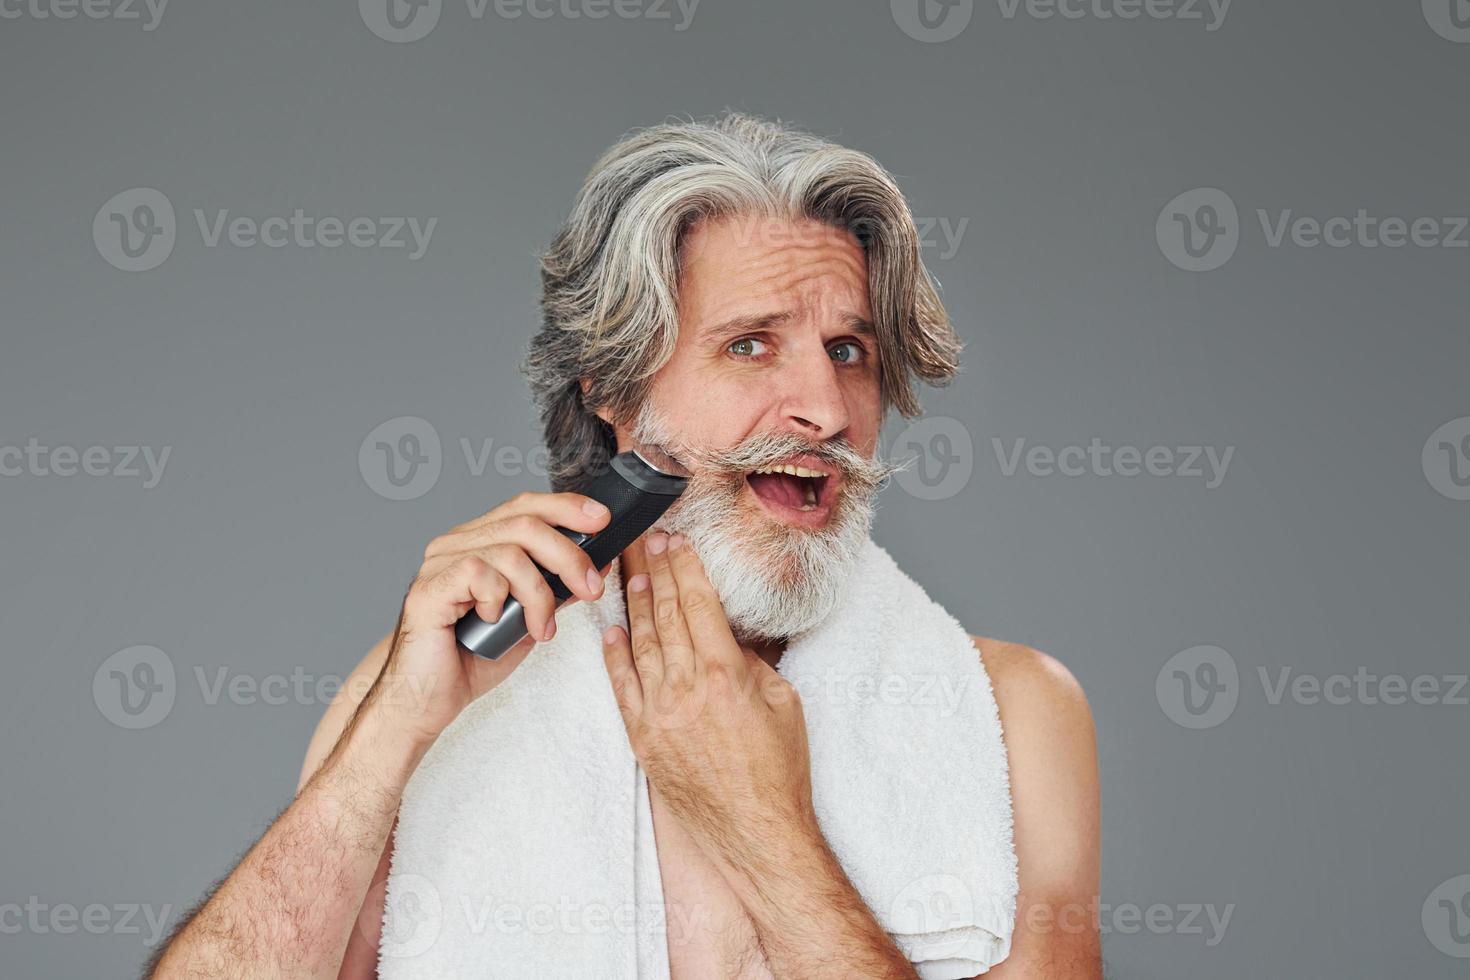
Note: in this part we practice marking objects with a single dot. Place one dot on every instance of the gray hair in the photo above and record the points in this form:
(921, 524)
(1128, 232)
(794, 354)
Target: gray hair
(609, 280)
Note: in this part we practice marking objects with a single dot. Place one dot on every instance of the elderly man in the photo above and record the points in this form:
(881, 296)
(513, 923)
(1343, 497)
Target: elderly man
(746, 301)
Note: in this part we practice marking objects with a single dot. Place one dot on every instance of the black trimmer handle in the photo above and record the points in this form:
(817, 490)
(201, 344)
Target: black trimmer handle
(636, 493)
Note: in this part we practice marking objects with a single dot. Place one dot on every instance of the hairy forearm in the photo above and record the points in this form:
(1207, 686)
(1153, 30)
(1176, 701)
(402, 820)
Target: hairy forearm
(289, 908)
(811, 921)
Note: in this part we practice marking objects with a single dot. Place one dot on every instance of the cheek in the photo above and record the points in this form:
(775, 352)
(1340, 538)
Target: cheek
(727, 416)
(711, 411)
(865, 412)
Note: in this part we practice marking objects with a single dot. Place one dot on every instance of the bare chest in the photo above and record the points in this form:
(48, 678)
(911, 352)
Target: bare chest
(709, 935)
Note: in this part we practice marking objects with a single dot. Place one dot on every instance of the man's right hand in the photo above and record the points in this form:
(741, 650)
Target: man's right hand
(269, 917)
(428, 678)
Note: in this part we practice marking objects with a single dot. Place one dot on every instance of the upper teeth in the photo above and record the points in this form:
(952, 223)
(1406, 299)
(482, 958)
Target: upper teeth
(791, 469)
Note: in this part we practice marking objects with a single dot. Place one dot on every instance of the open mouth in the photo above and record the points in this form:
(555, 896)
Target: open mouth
(797, 492)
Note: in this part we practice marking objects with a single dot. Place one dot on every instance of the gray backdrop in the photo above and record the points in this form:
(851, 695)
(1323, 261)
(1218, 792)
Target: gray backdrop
(1112, 194)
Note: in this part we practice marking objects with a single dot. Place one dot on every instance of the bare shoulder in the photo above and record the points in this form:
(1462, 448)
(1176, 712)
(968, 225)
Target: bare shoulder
(1044, 715)
(1052, 748)
(1028, 682)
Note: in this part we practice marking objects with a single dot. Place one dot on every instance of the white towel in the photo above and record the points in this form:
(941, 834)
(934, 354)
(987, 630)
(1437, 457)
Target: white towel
(524, 840)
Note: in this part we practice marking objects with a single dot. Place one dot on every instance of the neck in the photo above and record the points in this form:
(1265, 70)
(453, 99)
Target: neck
(770, 651)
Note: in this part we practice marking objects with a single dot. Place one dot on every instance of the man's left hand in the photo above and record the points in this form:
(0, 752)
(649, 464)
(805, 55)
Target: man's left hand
(719, 732)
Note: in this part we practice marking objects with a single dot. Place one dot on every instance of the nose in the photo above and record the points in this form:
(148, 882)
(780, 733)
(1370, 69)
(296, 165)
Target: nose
(812, 400)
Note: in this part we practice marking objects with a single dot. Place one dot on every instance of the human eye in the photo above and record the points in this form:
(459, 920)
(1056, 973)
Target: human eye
(857, 352)
(748, 343)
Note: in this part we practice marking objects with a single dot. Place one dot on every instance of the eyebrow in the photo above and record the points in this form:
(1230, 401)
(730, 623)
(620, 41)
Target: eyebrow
(756, 321)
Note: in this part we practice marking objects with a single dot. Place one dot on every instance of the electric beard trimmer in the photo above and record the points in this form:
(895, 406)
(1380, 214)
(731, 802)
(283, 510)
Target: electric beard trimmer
(637, 493)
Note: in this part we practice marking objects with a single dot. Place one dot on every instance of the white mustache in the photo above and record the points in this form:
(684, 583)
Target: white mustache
(860, 474)
(773, 581)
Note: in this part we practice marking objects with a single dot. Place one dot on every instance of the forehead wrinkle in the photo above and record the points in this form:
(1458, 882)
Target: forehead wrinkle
(791, 277)
(781, 276)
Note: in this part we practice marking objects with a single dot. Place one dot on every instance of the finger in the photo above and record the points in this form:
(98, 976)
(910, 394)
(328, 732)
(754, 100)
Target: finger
(550, 549)
(572, 567)
(529, 588)
(704, 614)
(570, 510)
(633, 559)
(489, 589)
(440, 599)
(773, 686)
(644, 635)
(617, 655)
(668, 618)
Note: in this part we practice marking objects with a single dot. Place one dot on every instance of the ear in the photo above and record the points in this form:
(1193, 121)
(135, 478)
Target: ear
(599, 411)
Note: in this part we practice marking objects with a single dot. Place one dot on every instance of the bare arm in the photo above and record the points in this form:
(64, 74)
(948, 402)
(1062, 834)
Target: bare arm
(1054, 789)
(289, 908)
(360, 962)
(810, 920)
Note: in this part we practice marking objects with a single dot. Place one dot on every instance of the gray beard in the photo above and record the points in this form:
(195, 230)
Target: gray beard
(774, 581)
